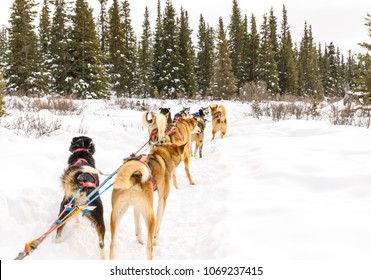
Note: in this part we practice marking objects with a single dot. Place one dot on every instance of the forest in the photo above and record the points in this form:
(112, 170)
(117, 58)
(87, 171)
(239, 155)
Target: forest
(71, 53)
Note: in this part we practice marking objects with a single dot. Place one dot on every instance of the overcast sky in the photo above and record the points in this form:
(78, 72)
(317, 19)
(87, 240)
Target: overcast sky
(338, 21)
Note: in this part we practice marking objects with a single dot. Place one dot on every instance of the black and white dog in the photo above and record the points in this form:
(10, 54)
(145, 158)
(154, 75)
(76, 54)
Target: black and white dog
(79, 179)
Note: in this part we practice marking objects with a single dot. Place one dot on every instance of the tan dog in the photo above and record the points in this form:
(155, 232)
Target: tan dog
(134, 186)
(198, 136)
(180, 134)
(219, 120)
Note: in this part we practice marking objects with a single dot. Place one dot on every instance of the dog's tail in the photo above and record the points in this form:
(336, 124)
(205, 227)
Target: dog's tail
(131, 173)
(69, 178)
(145, 119)
(222, 109)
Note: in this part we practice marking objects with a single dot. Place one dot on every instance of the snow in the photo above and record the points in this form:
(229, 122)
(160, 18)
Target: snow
(289, 190)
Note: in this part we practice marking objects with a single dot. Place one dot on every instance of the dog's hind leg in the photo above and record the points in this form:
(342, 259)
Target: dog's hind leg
(118, 210)
(96, 217)
(174, 180)
(186, 166)
(161, 209)
(138, 230)
(151, 226)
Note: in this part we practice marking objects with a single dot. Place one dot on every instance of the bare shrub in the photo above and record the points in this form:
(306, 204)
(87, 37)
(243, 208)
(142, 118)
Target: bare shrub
(131, 104)
(256, 109)
(57, 105)
(34, 125)
(279, 111)
(254, 91)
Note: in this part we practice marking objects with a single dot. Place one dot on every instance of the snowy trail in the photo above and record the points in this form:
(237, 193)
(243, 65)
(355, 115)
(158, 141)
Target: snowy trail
(292, 190)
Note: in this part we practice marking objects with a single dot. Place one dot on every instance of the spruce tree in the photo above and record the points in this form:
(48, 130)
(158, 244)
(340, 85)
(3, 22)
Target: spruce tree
(224, 82)
(324, 65)
(158, 51)
(2, 92)
(267, 67)
(309, 74)
(245, 52)
(116, 61)
(129, 75)
(253, 52)
(287, 65)
(205, 58)
(235, 43)
(186, 56)
(145, 59)
(351, 70)
(60, 49)
(170, 57)
(3, 46)
(103, 26)
(88, 72)
(44, 47)
(364, 72)
(23, 60)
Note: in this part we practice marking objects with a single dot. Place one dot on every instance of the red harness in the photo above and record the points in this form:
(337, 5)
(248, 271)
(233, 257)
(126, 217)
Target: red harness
(82, 161)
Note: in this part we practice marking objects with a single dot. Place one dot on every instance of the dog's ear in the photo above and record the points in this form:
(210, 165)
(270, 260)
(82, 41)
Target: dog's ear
(91, 147)
(153, 115)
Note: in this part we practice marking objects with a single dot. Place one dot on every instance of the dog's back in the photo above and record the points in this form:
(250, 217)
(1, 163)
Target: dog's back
(219, 120)
(78, 180)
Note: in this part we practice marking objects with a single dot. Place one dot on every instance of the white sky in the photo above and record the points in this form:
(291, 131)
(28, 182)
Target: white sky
(338, 21)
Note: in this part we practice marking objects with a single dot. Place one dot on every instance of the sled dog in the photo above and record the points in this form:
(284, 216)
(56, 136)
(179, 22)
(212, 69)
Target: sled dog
(135, 183)
(198, 136)
(219, 120)
(81, 174)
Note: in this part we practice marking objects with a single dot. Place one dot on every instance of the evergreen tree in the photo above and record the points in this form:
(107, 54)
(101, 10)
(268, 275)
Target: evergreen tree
(3, 47)
(324, 65)
(44, 47)
(351, 70)
(273, 32)
(224, 82)
(116, 61)
(309, 74)
(205, 58)
(245, 52)
(129, 75)
(158, 51)
(23, 60)
(364, 73)
(253, 52)
(2, 92)
(287, 66)
(187, 56)
(235, 43)
(170, 58)
(102, 26)
(267, 58)
(60, 51)
(145, 59)
(88, 73)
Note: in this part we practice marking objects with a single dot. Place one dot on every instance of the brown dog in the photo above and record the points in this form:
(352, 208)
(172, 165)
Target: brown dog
(180, 134)
(219, 120)
(198, 136)
(134, 185)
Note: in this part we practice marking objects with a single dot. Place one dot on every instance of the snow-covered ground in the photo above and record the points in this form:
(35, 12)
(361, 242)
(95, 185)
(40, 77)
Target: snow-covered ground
(289, 190)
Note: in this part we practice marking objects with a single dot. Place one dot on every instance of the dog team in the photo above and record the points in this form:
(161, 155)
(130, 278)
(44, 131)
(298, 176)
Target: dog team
(139, 177)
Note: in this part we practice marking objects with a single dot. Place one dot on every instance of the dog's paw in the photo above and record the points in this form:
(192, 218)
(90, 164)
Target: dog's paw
(140, 240)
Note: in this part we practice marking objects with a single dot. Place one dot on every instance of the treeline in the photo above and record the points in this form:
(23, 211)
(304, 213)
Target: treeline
(72, 54)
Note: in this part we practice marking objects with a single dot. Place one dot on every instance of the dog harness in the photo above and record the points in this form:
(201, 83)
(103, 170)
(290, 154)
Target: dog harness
(86, 180)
